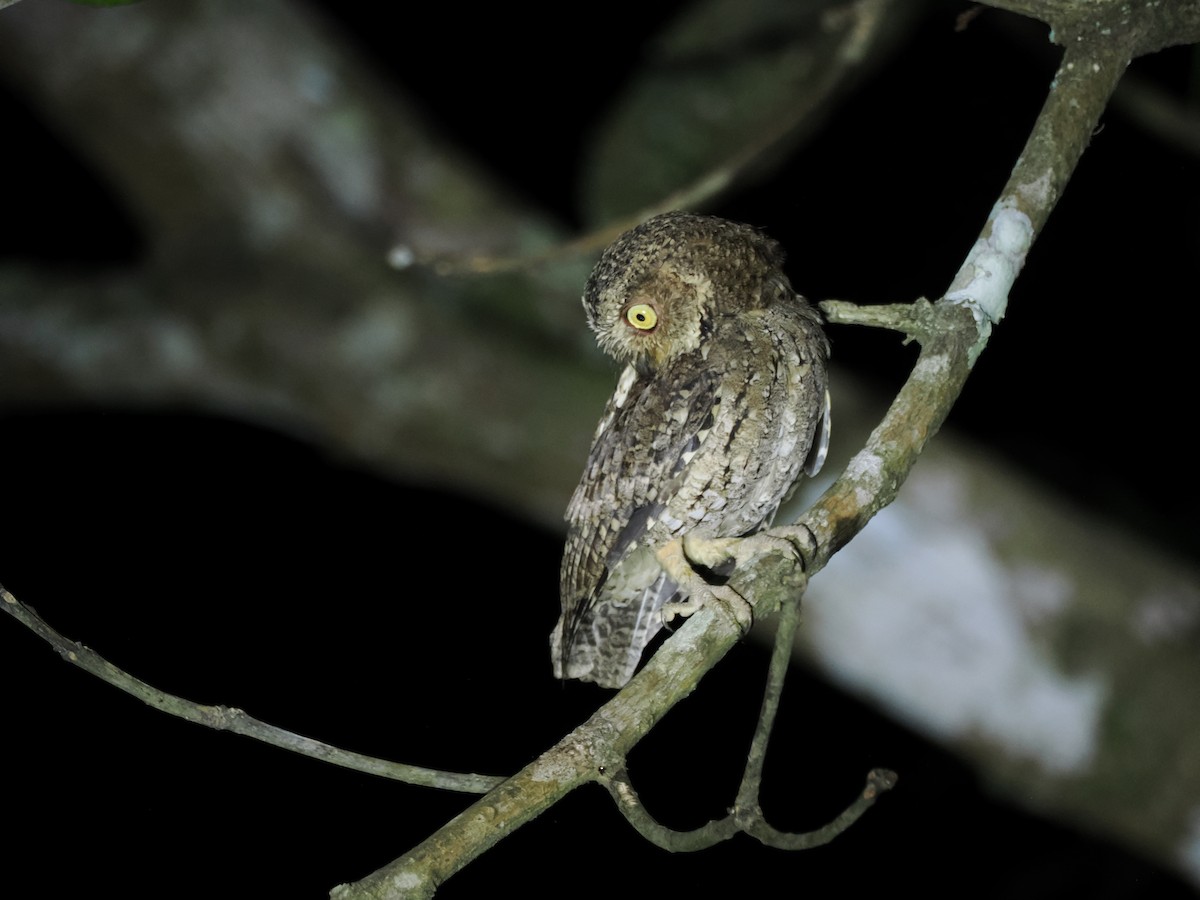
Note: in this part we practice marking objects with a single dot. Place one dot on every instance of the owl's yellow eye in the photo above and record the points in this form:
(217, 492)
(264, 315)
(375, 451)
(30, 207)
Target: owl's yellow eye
(641, 316)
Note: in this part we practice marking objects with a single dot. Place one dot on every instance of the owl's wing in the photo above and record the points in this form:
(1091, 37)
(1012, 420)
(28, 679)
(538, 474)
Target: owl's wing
(611, 582)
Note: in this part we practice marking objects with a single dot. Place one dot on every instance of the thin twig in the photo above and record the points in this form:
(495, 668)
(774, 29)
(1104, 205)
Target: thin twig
(224, 718)
(911, 319)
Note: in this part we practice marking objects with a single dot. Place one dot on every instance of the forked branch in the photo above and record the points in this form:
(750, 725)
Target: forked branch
(746, 815)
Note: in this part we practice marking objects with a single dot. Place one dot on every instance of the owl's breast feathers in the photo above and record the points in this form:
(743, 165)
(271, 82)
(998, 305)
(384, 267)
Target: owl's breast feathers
(712, 444)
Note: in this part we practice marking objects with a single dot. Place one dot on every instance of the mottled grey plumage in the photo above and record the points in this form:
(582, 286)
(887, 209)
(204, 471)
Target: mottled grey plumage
(722, 404)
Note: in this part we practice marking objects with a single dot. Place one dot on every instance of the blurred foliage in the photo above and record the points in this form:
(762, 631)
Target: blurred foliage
(724, 84)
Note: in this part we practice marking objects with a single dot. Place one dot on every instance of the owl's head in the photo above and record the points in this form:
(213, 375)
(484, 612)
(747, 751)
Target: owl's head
(658, 290)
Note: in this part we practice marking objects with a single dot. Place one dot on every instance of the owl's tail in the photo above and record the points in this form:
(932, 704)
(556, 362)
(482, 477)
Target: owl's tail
(605, 641)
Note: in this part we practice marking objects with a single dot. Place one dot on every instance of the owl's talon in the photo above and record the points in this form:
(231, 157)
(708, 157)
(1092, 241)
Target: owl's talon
(711, 552)
(767, 542)
(802, 539)
(738, 606)
(679, 558)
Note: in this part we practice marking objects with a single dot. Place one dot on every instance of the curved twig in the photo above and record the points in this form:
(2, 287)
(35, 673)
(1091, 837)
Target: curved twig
(748, 820)
(879, 781)
(630, 805)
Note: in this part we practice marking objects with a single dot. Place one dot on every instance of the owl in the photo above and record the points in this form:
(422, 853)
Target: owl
(721, 406)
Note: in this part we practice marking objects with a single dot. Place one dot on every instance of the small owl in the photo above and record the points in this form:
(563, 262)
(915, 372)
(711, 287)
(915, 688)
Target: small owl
(721, 406)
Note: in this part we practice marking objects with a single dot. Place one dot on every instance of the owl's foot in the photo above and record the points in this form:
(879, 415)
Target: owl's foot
(738, 606)
(790, 542)
(679, 558)
(801, 539)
